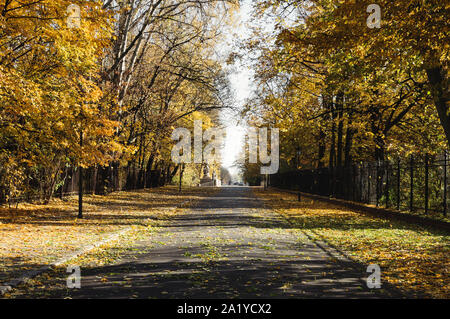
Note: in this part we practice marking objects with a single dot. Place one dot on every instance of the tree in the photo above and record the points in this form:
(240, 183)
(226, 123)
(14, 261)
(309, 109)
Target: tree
(48, 89)
(330, 82)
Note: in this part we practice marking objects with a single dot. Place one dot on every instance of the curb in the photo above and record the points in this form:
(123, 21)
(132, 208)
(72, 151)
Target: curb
(8, 286)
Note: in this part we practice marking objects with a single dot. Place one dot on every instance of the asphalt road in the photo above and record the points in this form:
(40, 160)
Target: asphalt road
(228, 246)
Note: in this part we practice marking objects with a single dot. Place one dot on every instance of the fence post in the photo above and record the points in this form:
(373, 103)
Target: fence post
(360, 183)
(411, 192)
(398, 183)
(80, 182)
(368, 183)
(333, 187)
(386, 192)
(445, 183)
(426, 183)
(353, 181)
(377, 181)
(330, 181)
(347, 177)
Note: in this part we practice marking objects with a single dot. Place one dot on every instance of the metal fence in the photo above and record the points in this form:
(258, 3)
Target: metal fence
(417, 184)
(99, 180)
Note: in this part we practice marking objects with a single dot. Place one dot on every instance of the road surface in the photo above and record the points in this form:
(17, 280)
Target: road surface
(228, 246)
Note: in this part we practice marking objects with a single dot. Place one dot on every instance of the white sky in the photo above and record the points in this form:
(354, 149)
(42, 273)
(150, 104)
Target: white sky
(241, 85)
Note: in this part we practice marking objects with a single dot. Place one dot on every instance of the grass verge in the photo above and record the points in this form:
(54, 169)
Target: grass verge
(411, 257)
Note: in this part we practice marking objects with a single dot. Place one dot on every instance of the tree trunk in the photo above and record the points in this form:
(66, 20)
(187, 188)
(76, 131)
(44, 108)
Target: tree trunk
(340, 129)
(380, 148)
(174, 172)
(348, 144)
(322, 148)
(148, 172)
(437, 79)
(94, 179)
(181, 176)
(332, 160)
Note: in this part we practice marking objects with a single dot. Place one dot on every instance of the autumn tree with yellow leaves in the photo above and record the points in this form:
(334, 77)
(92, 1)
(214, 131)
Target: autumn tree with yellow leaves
(49, 92)
(132, 71)
(342, 91)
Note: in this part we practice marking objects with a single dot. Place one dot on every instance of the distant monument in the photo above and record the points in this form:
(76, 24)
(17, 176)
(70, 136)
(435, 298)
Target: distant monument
(206, 181)
(217, 182)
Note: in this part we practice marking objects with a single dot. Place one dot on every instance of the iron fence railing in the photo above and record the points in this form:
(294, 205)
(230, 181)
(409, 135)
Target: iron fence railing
(100, 180)
(416, 184)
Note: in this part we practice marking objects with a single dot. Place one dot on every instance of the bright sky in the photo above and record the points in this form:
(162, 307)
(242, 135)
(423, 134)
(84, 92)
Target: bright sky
(241, 81)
